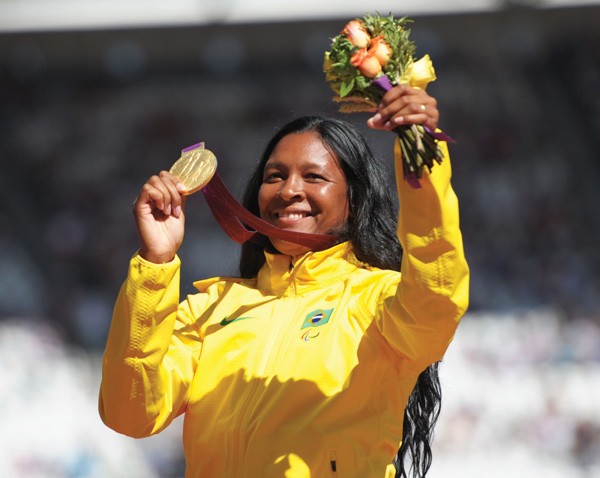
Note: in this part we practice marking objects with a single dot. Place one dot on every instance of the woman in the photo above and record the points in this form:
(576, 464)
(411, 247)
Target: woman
(303, 366)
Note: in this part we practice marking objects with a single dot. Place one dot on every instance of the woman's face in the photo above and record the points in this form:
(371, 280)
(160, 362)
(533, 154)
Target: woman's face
(303, 189)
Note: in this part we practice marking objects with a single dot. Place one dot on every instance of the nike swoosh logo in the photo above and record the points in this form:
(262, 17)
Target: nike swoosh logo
(227, 321)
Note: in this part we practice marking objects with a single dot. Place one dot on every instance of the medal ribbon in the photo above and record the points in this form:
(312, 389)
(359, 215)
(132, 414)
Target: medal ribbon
(234, 219)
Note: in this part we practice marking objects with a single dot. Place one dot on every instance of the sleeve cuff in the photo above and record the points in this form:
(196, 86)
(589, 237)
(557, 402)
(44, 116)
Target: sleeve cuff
(166, 265)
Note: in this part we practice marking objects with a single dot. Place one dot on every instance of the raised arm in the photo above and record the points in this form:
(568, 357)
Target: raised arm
(420, 317)
(150, 354)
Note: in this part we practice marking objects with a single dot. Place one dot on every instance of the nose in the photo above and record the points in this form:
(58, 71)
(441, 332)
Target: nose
(291, 189)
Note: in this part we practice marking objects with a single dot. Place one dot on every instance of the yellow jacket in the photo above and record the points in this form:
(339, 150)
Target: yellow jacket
(303, 371)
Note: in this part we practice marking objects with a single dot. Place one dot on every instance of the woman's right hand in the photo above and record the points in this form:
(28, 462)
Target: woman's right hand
(405, 105)
(159, 216)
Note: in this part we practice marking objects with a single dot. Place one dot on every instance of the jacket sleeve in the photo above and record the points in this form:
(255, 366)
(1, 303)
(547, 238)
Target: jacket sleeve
(151, 352)
(420, 315)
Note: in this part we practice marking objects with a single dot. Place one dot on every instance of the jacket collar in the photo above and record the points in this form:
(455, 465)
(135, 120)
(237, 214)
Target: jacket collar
(283, 274)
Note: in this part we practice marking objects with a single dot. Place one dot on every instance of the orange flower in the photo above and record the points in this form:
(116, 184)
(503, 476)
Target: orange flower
(366, 63)
(380, 49)
(356, 33)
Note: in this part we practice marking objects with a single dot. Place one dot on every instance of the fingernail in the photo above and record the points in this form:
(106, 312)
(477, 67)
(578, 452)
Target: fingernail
(181, 187)
(177, 211)
(376, 118)
(168, 210)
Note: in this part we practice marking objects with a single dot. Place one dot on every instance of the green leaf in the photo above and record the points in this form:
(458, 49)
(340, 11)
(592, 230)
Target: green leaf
(346, 88)
(362, 83)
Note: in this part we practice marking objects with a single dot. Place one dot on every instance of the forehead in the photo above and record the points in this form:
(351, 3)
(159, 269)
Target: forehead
(307, 148)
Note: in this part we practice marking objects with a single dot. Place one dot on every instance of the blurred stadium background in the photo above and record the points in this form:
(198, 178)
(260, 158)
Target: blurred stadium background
(96, 96)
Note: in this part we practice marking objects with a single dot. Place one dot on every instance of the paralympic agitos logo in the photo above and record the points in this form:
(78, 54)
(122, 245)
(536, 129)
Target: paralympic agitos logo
(313, 320)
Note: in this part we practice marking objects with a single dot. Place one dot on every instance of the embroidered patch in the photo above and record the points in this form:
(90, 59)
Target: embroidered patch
(316, 318)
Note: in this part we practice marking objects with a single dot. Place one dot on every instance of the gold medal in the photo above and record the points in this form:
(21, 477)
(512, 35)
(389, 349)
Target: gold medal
(195, 168)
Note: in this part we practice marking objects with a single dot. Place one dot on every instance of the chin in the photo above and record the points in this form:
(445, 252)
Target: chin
(289, 248)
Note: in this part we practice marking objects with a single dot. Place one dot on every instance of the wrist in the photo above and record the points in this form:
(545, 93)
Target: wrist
(156, 258)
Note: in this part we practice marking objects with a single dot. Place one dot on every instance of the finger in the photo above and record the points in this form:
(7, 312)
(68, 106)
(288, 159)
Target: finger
(182, 207)
(403, 105)
(395, 103)
(394, 113)
(382, 118)
(179, 208)
(181, 188)
(173, 185)
(417, 109)
(395, 94)
(413, 112)
(425, 113)
(156, 194)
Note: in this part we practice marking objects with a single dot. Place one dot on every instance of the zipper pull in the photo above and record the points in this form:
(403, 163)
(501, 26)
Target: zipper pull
(332, 460)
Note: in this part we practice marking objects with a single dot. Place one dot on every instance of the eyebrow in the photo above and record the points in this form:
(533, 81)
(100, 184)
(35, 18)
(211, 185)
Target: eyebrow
(279, 164)
(271, 163)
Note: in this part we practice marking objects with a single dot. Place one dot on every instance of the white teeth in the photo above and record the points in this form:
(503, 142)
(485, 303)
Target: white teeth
(291, 215)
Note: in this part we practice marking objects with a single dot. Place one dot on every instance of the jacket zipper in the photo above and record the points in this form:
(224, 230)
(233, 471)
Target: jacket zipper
(238, 447)
(282, 325)
(272, 347)
(250, 397)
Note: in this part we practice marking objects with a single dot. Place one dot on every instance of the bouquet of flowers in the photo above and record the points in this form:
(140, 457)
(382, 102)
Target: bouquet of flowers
(370, 56)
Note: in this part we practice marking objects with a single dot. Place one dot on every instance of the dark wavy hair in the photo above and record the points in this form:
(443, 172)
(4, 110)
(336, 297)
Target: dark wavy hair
(371, 228)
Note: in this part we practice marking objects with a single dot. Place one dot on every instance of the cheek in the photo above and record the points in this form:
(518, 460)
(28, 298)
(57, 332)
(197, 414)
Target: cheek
(267, 193)
(262, 200)
(338, 202)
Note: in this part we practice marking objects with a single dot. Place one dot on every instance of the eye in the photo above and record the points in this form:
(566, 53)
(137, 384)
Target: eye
(272, 176)
(315, 177)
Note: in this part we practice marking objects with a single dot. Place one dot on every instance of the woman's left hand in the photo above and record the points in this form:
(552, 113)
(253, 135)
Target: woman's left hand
(405, 105)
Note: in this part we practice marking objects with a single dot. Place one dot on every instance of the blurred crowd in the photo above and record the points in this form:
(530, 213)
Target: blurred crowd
(48, 410)
(520, 399)
(86, 117)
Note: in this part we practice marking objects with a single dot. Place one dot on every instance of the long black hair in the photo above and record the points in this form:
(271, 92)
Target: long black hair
(371, 228)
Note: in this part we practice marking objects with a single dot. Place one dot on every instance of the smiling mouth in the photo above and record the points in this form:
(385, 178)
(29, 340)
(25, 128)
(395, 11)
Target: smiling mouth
(291, 215)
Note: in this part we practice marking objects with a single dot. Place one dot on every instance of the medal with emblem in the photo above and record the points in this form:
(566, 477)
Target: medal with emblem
(195, 168)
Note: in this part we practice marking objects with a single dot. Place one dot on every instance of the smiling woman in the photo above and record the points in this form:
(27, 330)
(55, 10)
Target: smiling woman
(303, 189)
(316, 361)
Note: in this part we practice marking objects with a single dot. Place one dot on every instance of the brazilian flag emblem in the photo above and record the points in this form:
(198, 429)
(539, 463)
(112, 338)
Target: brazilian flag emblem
(316, 318)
